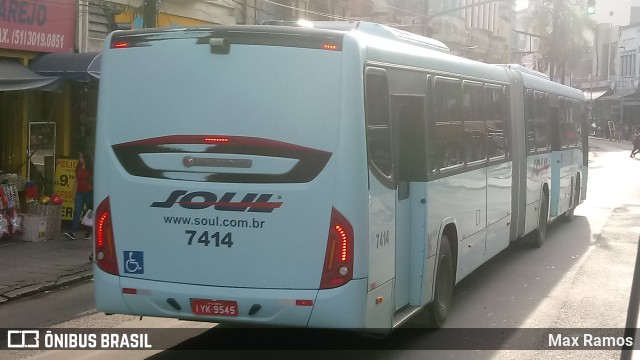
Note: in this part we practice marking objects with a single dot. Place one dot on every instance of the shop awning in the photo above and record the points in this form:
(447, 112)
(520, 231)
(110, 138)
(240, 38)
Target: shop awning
(627, 92)
(594, 94)
(69, 66)
(14, 77)
(622, 93)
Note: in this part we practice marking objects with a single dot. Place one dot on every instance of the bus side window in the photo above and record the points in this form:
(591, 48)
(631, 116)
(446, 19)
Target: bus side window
(379, 137)
(583, 126)
(474, 122)
(578, 119)
(558, 125)
(530, 121)
(497, 124)
(449, 130)
(409, 126)
(565, 124)
(542, 121)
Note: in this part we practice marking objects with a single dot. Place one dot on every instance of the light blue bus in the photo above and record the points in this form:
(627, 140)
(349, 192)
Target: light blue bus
(342, 176)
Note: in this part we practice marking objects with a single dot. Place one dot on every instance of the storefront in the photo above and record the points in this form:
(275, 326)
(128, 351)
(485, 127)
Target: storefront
(80, 74)
(35, 116)
(599, 111)
(26, 99)
(621, 111)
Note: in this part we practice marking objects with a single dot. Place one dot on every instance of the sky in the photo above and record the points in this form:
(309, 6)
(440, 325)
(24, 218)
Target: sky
(521, 4)
(615, 12)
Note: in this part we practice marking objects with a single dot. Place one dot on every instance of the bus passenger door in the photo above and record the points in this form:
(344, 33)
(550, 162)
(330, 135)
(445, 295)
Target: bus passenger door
(410, 172)
(382, 200)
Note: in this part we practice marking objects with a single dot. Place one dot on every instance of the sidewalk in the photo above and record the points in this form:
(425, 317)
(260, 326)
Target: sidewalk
(604, 138)
(27, 267)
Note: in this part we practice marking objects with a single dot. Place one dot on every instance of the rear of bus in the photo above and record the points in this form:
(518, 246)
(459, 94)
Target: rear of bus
(226, 186)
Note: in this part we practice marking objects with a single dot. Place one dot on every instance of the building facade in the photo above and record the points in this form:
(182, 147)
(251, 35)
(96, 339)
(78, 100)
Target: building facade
(612, 88)
(471, 28)
(483, 30)
(626, 80)
(32, 111)
(99, 17)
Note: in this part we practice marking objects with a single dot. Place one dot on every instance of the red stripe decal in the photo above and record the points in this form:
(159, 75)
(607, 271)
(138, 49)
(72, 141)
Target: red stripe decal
(259, 205)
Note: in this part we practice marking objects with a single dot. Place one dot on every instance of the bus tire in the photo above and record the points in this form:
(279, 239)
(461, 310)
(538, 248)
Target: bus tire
(540, 233)
(568, 215)
(443, 293)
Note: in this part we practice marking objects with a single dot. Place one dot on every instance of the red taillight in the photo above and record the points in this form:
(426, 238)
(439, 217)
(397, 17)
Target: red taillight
(338, 260)
(120, 45)
(216, 140)
(105, 244)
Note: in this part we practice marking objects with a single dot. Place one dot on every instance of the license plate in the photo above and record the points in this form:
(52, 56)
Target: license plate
(214, 307)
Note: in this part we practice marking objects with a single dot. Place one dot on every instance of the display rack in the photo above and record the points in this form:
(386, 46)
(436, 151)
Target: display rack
(10, 220)
(51, 213)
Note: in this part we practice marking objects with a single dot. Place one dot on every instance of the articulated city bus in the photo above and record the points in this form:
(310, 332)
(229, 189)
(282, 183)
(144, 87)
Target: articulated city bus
(341, 176)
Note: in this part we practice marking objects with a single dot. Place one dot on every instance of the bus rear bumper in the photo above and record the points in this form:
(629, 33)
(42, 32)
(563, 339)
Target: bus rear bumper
(280, 307)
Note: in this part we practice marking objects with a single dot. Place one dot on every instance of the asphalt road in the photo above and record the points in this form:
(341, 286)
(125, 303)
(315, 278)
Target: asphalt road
(50, 308)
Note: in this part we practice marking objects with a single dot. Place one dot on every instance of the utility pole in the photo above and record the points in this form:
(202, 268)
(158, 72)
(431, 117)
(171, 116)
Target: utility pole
(425, 25)
(150, 13)
(245, 10)
(554, 39)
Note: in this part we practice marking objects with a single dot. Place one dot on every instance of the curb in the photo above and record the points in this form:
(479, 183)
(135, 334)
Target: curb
(617, 141)
(62, 281)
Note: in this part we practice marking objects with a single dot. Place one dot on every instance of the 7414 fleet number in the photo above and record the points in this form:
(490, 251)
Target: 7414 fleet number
(205, 237)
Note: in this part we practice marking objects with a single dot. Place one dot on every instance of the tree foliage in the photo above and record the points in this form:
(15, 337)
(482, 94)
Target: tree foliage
(572, 24)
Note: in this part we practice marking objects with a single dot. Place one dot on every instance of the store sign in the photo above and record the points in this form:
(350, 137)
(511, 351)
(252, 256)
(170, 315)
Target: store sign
(42, 26)
(65, 181)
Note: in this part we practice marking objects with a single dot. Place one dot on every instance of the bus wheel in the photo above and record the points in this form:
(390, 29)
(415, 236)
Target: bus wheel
(444, 286)
(541, 232)
(568, 215)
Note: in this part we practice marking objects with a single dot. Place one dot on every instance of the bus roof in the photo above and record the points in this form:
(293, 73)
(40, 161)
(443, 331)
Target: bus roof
(383, 43)
(538, 83)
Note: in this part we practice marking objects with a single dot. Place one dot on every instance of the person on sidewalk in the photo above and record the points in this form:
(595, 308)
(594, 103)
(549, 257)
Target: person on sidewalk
(83, 190)
(636, 144)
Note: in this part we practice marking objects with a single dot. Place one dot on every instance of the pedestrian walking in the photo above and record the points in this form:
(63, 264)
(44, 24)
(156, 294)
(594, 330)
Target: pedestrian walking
(83, 194)
(636, 144)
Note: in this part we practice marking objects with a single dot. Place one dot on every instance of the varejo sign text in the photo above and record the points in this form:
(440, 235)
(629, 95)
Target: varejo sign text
(42, 26)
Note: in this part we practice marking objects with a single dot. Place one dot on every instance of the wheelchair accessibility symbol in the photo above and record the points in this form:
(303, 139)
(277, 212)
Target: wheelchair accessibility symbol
(134, 260)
